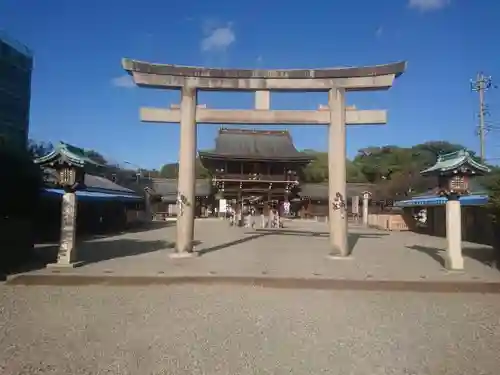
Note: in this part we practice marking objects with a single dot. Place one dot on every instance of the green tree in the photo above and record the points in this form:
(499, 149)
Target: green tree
(493, 207)
(317, 170)
(97, 157)
(37, 149)
(171, 170)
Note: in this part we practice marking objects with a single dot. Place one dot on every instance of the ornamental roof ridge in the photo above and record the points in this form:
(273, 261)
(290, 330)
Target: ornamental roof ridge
(70, 152)
(254, 131)
(453, 160)
(453, 155)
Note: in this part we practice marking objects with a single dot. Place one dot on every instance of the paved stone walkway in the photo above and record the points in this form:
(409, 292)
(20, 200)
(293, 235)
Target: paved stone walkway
(298, 251)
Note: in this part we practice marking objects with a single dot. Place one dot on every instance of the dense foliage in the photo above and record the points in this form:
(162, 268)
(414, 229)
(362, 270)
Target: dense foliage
(171, 170)
(395, 170)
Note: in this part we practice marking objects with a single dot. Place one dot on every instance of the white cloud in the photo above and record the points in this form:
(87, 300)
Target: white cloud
(217, 39)
(260, 59)
(123, 81)
(379, 31)
(428, 5)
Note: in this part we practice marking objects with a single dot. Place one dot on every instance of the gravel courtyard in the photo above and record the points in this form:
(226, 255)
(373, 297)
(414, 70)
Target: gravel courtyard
(245, 330)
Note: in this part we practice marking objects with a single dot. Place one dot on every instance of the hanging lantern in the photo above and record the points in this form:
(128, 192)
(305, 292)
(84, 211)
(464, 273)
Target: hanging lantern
(70, 176)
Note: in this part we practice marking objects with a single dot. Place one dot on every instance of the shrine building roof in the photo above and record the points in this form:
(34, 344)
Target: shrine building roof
(452, 162)
(243, 144)
(167, 188)
(93, 184)
(319, 191)
(64, 152)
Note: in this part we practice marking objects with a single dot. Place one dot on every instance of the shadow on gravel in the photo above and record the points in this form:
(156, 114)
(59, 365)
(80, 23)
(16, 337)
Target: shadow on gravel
(484, 254)
(232, 243)
(152, 225)
(352, 238)
(92, 252)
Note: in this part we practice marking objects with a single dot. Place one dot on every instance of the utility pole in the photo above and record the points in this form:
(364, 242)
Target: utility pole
(480, 85)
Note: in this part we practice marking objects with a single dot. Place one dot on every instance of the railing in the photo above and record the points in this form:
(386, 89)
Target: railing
(251, 177)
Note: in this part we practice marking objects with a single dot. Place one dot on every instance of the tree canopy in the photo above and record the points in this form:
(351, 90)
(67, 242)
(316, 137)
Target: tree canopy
(171, 170)
(393, 169)
(39, 149)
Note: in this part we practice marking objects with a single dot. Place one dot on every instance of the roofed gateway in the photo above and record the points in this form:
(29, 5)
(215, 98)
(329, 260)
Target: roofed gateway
(257, 165)
(255, 144)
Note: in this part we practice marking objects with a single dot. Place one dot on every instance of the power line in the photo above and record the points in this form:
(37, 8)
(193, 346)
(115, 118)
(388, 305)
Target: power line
(481, 85)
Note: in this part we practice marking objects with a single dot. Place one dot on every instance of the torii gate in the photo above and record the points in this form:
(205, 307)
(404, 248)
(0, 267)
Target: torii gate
(335, 81)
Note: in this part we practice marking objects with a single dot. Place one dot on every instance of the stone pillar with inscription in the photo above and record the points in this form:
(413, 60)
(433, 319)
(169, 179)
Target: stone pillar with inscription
(454, 259)
(355, 206)
(366, 197)
(148, 211)
(67, 254)
(187, 175)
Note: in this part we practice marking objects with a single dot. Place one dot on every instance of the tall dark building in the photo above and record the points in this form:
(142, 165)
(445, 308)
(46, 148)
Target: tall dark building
(16, 64)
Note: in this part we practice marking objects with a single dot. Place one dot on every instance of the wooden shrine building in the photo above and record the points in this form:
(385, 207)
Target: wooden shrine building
(314, 198)
(260, 166)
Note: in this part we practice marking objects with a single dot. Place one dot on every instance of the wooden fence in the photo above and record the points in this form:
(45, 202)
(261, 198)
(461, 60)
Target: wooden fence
(392, 222)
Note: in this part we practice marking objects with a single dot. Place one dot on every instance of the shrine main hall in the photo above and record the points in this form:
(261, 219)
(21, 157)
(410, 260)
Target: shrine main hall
(262, 168)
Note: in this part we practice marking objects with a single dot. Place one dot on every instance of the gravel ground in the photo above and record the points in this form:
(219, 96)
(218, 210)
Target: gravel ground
(245, 330)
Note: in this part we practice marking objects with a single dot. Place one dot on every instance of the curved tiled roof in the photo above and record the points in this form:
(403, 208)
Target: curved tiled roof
(454, 160)
(467, 200)
(95, 183)
(255, 144)
(167, 188)
(66, 152)
(320, 191)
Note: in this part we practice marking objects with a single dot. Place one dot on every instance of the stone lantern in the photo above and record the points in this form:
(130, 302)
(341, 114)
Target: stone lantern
(454, 172)
(70, 164)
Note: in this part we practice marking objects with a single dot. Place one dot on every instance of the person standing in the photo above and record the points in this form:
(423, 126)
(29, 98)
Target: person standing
(262, 218)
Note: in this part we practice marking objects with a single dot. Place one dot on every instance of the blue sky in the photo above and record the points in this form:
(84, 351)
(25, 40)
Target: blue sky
(80, 94)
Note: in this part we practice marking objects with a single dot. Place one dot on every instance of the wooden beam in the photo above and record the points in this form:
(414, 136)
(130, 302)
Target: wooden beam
(263, 117)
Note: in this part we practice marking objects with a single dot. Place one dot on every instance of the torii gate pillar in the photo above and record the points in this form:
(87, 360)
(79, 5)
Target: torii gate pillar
(337, 174)
(187, 174)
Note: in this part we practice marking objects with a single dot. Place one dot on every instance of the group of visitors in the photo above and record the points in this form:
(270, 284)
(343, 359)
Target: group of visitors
(249, 216)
